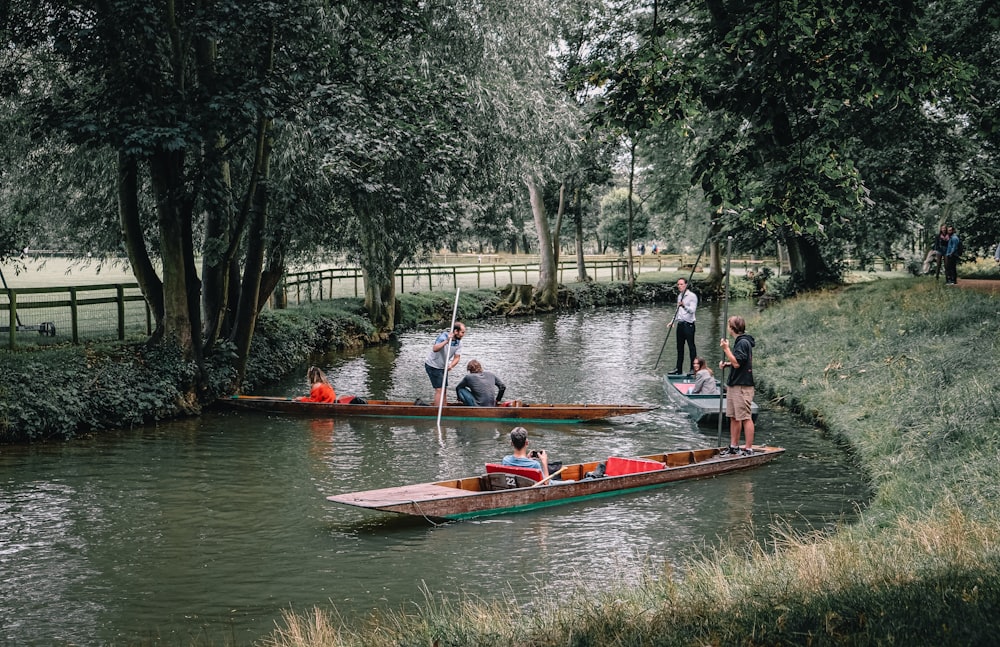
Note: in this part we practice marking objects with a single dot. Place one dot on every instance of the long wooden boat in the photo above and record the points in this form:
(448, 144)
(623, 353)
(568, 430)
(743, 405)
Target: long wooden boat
(567, 413)
(507, 490)
(704, 409)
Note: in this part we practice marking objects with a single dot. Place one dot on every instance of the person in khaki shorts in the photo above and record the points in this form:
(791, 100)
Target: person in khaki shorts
(739, 386)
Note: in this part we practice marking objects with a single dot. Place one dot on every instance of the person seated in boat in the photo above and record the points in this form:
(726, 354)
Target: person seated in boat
(477, 388)
(520, 458)
(704, 379)
(320, 389)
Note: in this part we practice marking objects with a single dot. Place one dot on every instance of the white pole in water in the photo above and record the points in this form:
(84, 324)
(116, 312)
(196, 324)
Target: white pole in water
(447, 359)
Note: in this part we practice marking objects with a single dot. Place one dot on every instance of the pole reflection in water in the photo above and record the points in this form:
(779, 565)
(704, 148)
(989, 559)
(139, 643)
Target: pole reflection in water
(211, 527)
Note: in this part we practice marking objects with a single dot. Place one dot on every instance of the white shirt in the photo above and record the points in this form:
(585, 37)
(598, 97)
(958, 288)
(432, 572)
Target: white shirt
(687, 303)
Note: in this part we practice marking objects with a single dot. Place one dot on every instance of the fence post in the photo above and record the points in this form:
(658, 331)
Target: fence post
(320, 281)
(454, 276)
(12, 296)
(74, 317)
(120, 290)
(355, 272)
(479, 277)
(510, 269)
(402, 280)
(430, 280)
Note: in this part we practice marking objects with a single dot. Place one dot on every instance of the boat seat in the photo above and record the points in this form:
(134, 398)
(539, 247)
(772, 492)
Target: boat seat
(506, 481)
(618, 466)
(684, 387)
(527, 472)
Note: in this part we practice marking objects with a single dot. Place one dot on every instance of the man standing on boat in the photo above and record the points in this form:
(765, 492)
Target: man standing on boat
(739, 386)
(480, 388)
(687, 303)
(519, 441)
(447, 348)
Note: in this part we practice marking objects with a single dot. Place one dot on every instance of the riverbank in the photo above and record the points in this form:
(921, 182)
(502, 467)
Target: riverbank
(903, 373)
(58, 393)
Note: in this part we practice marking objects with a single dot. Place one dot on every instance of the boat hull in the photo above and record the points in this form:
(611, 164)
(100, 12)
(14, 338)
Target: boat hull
(465, 498)
(564, 413)
(703, 409)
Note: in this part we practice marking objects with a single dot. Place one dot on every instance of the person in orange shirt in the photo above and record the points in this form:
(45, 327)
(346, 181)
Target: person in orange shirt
(320, 389)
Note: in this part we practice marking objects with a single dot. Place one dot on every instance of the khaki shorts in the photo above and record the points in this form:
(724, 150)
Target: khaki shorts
(738, 402)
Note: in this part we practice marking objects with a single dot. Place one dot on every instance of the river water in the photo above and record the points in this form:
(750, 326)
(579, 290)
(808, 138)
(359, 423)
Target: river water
(203, 531)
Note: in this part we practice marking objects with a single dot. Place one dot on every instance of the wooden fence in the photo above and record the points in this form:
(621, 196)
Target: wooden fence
(59, 314)
(115, 311)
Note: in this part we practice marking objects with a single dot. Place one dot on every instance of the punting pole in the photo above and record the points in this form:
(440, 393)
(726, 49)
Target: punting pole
(447, 359)
(725, 332)
(690, 276)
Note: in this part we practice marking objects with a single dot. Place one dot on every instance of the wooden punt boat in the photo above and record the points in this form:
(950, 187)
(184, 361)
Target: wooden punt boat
(563, 413)
(504, 490)
(704, 409)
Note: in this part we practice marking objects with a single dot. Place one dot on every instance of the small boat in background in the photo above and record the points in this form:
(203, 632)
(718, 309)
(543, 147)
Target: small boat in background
(502, 489)
(704, 409)
(516, 410)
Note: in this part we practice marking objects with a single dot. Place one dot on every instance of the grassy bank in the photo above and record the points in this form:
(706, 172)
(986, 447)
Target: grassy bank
(904, 373)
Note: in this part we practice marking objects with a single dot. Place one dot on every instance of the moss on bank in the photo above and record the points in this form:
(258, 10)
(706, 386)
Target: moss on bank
(903, 372)
(57, 393)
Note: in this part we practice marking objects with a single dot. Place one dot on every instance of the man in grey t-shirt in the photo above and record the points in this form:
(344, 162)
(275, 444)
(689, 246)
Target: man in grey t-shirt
(476, 388)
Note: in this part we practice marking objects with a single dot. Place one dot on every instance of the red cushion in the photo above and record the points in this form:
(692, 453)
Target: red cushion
(618, 466)
(684, 387)
(529, 472)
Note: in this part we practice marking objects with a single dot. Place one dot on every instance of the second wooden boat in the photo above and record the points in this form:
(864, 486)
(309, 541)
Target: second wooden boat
(504, 489)
(703, 409)
(566, 413)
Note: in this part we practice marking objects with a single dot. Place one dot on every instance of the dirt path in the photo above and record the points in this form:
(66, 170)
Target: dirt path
(991, 286)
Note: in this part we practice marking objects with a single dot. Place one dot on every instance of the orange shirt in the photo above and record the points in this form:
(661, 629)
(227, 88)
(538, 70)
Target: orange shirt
(321, 392)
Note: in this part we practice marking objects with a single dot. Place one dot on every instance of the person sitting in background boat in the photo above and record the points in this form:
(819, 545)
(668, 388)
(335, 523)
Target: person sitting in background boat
(538, 460)
(704, 379)
(320, 389)
(477, 388)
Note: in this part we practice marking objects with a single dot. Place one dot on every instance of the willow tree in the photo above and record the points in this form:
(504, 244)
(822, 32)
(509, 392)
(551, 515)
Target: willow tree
(184, 95)
(396, 143)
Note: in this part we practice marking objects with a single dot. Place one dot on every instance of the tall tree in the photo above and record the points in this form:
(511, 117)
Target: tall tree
(185, 94)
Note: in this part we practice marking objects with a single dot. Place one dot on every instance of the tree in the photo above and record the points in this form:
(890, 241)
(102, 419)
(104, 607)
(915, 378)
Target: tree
(184, 96)
(785, 90)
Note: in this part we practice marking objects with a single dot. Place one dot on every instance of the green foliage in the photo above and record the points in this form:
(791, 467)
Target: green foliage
(97, 387)
(614, 220)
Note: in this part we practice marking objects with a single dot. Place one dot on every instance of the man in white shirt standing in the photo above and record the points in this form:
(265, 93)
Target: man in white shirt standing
(687, 303)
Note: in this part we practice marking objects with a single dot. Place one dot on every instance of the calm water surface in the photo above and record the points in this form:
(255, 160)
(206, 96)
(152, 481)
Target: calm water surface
(206, 530)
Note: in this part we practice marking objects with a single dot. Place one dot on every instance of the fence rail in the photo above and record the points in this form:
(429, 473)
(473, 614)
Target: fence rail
(60, 314)
(118, 310)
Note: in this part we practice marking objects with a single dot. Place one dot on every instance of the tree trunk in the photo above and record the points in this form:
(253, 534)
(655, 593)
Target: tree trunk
(806, 262)
(249, 306)
(581, 267)
(547, 289)
(631, 214)
(165, 172)
(380, 301)
(135, 244)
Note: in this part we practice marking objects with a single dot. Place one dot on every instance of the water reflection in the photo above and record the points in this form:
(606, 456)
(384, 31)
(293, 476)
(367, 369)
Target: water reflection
(211, 527)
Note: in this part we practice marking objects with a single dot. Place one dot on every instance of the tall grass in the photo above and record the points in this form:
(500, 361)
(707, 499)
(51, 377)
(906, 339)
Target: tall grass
(904, 372)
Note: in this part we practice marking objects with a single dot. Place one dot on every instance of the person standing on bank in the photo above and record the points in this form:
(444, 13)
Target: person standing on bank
(477, 388)
(739, 386)
(951, 258)
(447, 347)
(687, 303)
